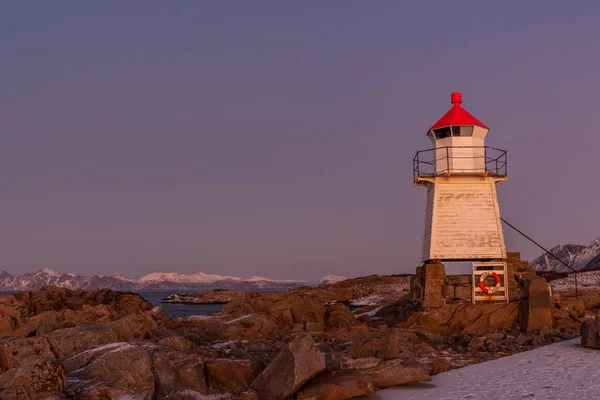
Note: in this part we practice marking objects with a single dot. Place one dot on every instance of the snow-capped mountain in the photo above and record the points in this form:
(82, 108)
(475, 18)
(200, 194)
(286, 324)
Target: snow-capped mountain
(580, 258)
(154, 281)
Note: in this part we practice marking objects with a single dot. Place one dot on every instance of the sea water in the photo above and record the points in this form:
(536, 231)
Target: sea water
(172, 310)
(169, 309)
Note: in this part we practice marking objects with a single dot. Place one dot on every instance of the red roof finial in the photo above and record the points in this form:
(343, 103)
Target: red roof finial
(457, 116)
(456, 98)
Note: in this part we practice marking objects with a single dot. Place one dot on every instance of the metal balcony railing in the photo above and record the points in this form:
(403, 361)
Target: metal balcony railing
(451, 160)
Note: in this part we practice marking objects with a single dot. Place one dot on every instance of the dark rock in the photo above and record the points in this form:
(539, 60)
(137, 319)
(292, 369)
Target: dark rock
(476, 344)
(538, 340)
(491, 346)
(590, 333)
(536, 309)
(386, 346)
(523, 340)
(397, 312)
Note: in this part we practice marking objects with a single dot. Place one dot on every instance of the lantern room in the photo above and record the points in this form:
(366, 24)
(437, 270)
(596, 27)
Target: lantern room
(458, 138)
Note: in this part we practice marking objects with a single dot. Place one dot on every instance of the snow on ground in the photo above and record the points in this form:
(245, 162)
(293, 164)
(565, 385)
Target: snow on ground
(197, 396)
(329, 279)
(243, 317)
(371, 300)
(370, 313)
(584, 279)
(560, 371)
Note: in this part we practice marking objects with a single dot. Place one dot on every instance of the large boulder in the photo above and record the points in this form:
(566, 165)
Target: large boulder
(347, 384)
(24, 351)
(229, 376)
(397, 312)
(339, 317)
(135, 369)
(177, 372)
(590, 333)
(299, 362)
(536, 307)
(252, 326)
(112, 371)
(133, 326)
(38, 380)
(71, 341)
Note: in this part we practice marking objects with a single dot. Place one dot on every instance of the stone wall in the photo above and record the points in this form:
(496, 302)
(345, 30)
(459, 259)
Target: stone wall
(435, 288)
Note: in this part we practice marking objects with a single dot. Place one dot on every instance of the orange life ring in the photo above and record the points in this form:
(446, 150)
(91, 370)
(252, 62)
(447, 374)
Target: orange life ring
(490, 290)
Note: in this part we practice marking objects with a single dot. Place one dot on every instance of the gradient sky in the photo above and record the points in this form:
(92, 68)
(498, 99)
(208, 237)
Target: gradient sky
(276, 138)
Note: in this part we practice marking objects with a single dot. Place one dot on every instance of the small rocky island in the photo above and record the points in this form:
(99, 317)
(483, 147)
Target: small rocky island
(350, 338)
(217, 296)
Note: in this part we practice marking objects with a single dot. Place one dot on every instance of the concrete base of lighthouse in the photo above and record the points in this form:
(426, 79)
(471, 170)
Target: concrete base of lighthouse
(462, 219)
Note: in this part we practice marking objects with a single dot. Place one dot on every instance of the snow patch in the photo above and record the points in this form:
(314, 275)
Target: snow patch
(50, 272)
(370, 313)
(560, 371)
(371, 300)
(197, 395)
(243, 317)
(585, 279)
(329, 279)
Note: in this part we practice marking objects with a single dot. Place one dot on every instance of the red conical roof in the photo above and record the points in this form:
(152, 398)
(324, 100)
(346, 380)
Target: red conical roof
(457, 115)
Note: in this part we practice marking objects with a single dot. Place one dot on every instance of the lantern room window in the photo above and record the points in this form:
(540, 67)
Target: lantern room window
(448, 131)
(442, 133)
(466, 131)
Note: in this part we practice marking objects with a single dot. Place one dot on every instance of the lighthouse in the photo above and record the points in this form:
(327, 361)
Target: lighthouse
(461, 173)
(462, 215)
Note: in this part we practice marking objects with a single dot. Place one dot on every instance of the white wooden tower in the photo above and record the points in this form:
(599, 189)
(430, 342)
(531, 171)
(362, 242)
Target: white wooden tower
(461, 173)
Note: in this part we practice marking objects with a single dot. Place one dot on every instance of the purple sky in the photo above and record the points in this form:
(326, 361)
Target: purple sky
(276, 138)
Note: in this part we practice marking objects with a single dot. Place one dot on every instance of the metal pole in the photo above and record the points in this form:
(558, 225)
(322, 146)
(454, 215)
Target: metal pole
(547, 251)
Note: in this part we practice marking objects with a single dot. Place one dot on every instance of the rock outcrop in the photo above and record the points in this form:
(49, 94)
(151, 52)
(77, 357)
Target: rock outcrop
(333, 342)
(348, 384)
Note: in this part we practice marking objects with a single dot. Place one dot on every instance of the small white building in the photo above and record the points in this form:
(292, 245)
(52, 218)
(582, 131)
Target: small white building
(462, 218)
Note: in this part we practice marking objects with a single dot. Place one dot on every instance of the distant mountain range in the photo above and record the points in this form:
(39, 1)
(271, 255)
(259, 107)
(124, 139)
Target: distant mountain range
(579, 257)
(151, 282)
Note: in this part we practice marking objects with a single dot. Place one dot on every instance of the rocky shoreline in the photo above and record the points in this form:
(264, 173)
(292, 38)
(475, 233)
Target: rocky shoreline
(332, 342)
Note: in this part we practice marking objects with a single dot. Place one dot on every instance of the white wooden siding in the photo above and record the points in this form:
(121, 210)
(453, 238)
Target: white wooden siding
(465, 221)
(428, 221)
(460, 154)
